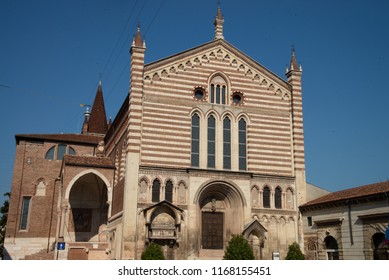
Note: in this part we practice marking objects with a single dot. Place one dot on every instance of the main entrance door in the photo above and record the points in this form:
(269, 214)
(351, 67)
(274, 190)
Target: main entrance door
(212, 230)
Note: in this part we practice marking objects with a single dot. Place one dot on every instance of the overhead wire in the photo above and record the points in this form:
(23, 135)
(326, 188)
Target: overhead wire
(93, 90)
(148, 28)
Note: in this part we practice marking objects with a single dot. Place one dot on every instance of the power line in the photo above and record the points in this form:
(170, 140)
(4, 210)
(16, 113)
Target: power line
(155, 15)
(120, 36)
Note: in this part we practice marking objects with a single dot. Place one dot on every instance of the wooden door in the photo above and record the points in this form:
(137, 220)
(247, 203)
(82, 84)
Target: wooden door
(212, 230)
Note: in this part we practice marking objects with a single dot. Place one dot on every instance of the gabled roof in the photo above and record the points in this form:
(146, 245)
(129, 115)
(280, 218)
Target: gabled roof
(217, 43)
(381, 188)
(63, 138)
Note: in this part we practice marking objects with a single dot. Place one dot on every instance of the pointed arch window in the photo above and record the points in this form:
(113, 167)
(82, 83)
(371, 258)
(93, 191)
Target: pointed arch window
(211, 141)
(266, 197)
(195, 149)
(278, 198)
(155, 191)
(227, 143)
(169, 191)
(242, 145)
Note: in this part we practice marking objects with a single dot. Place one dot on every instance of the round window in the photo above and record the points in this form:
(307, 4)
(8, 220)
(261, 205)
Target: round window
(237, 98)
(199, 94)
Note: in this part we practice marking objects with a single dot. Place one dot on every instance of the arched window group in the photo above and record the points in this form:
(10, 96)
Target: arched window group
(57, 152)
(269, 198)
(214, 131)
(159, 192)
(218, 89)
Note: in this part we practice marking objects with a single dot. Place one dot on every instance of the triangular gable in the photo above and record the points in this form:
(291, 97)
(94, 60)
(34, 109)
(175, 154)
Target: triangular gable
(254, 225)
(201, 55)
(161, 203)
(149, 210)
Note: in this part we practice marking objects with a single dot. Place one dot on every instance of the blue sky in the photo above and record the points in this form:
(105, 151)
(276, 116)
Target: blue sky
(53, 53)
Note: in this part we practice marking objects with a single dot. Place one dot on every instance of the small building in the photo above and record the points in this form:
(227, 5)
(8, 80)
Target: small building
(348, 224)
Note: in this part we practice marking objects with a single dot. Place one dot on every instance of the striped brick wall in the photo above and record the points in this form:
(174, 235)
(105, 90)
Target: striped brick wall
(135, 100)
(294, 78)
(168, 101)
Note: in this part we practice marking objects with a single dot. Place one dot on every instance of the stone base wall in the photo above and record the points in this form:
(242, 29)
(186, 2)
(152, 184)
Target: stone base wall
(20, 248)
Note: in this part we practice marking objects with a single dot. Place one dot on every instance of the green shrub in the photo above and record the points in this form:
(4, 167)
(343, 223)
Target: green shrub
(238, 248)
(153, 252)
(294, 252)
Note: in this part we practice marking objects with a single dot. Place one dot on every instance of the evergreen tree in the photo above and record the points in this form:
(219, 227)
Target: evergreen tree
(238, 248)
(294, 252)
(153, 252)
(3, 223)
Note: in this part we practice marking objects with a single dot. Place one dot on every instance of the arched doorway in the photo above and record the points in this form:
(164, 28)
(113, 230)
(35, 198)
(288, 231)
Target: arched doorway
(379, 248)
(88, 200)
(331, 248)
(221, 206)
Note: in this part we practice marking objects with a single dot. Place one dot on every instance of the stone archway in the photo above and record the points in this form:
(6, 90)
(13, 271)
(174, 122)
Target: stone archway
(88, 201)
(332, 248)
(255, 233)
(221, 211)
(380, 250)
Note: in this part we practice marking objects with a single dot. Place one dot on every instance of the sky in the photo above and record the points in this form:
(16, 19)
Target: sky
(53, 53)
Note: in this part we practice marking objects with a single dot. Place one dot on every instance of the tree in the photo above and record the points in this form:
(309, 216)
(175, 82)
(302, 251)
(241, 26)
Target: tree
(238, 248)
(153, 252)
(3, 222)
(294, 252)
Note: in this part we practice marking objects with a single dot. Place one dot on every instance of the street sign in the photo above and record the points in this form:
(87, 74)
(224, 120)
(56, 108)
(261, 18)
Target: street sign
(61, 246)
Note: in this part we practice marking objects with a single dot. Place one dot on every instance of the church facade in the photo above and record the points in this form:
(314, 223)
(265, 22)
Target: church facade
(208, 143)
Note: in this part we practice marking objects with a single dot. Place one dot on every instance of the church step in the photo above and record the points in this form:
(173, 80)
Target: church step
(208, 254)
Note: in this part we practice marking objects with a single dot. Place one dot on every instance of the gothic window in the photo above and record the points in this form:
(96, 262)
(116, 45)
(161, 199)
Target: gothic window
(278, 198)
(226, 143)
(143, 191)
(40, 189)
(181, 193)
(218, 91)
(211, 141)
(242, 145)
(289, 199)
(25, 212)
(266, 197)
(57, 152)
(169, 191)
(254, 197)
(155, 191)
(195, 150)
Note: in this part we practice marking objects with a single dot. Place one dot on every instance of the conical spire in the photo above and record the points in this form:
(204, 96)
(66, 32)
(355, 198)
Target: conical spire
(137, 41)
(293, 63)
(219, 20)
(293, 66)
(98, 119)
